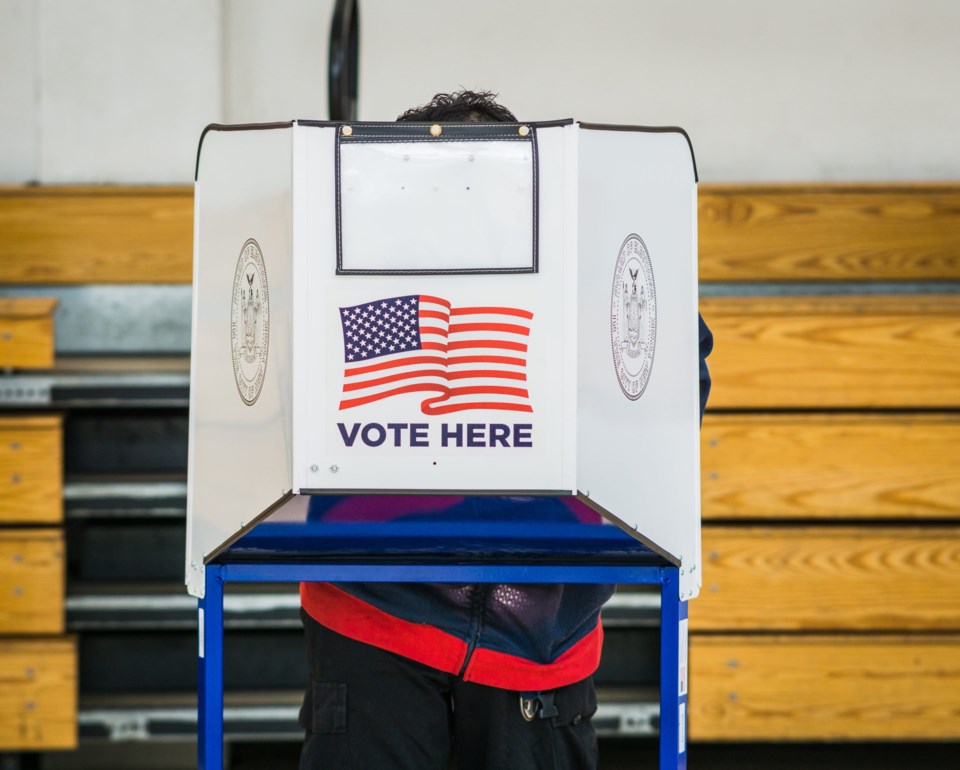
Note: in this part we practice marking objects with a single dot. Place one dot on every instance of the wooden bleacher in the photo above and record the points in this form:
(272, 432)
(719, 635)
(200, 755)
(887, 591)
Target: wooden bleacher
(831, 499)
(831, 495)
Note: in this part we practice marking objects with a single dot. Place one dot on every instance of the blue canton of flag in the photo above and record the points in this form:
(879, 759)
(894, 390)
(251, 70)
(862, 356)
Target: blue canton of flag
(381, 328)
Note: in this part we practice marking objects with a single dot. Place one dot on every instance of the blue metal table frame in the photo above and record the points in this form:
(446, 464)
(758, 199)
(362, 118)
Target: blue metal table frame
(673, 699)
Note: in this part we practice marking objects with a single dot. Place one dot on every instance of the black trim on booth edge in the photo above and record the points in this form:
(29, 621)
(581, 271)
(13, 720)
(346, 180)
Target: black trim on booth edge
(420, 132)
(366, 123)
(355, 124)
(336, 124)
(235, 127)
(648, 130)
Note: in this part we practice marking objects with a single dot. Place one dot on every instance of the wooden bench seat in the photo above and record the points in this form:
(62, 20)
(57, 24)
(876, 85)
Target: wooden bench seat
(856, 465)
(32, 578)
(31, 469)
(830, 232)
(826, 232)
(825, 687)
(806, 578)
(835, 352)
(103, 234)
(27, 332)
(38, 694)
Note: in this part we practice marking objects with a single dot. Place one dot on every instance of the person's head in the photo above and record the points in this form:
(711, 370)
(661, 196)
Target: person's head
(460, 107)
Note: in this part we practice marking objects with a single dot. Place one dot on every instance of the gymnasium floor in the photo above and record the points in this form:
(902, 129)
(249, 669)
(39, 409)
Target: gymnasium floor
(633, 755)
(615, 755)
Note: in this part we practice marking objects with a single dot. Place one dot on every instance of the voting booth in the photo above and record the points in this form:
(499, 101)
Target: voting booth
(432, 319)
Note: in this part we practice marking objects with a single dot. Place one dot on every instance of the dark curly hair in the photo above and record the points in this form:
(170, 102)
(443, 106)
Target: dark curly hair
(460, 107)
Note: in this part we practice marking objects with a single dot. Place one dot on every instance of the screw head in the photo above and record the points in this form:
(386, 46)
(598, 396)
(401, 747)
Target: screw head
(334, 468)
(314, 468)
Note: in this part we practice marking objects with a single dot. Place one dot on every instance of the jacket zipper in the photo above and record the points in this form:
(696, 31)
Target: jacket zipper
(478, 605)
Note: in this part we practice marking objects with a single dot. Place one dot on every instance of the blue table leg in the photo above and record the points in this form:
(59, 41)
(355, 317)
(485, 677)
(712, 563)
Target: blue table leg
(210, 690)
(673, 673)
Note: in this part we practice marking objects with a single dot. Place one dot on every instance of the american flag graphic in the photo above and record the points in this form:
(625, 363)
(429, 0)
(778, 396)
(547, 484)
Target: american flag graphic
(467, 357)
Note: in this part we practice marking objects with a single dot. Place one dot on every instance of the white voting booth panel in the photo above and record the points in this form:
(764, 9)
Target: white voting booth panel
(477, 308)
(638, 404)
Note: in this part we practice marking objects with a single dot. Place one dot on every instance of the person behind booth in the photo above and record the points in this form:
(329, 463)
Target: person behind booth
(407, 675)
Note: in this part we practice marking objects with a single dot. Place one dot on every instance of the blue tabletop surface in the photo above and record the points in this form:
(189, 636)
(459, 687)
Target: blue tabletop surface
(439, 528)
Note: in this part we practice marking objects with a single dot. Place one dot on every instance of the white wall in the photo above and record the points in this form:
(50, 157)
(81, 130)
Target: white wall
(18, 90)
(768, 89)
(275, 59)
(125, 86)
(119, 90)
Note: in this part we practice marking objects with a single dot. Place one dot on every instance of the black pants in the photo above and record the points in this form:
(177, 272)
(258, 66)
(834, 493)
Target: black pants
(368, 709)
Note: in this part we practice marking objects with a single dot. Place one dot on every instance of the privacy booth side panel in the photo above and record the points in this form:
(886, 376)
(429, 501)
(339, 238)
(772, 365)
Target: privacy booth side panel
(638, 400)
(241, 358)
(438, 304)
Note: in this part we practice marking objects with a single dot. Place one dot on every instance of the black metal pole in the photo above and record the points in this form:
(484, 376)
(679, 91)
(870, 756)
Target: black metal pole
(344, 49)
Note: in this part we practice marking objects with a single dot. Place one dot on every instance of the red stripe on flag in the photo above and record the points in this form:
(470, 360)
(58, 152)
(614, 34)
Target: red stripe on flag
(514, 311)
(351, 386)
(495, 390)
(428, 406)
(439, 373)
(493, 374)
(497, 344)
(508, 360)
(417, 388)
(354, 371)
(434, 300)
(489, 327)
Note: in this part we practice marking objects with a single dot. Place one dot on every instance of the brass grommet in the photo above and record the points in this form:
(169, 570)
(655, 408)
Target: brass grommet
(346, 130)
(524, 130)
(436, 129)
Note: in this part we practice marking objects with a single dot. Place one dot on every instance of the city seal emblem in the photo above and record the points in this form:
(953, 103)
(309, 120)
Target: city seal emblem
(633, 317)
(250, 322)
